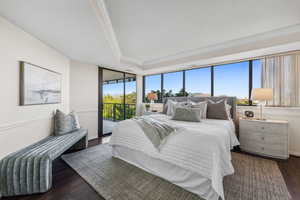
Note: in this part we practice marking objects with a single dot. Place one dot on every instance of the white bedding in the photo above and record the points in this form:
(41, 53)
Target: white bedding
(200, 147)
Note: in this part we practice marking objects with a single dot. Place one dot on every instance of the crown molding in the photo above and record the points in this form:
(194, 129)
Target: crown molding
(130, 61)
(102, 15)
(155, 64)
(257, 53)
(237, 42)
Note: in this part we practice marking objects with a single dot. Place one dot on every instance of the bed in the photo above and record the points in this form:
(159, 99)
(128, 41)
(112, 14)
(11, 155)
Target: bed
(196, 157)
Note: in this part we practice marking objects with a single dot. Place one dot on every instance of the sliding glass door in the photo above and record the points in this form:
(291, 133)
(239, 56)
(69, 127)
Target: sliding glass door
(117, 99)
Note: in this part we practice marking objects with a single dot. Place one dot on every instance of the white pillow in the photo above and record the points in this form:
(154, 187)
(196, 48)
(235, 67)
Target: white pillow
(203, 107)
(172, 105)
(228, 108)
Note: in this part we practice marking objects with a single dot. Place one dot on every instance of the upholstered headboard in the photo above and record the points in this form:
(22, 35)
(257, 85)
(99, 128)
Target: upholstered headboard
(230, 100)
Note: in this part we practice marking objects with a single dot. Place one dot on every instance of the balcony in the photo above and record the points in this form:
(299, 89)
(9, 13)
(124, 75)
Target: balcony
(114, 112)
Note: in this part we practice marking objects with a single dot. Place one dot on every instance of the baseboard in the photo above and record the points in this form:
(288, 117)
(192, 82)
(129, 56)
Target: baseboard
(295, 153)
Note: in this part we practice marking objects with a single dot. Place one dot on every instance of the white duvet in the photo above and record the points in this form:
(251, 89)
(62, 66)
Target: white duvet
(202, 147)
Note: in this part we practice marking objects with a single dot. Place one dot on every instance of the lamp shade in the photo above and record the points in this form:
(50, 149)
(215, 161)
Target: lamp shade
(262, 94)
(152, 96)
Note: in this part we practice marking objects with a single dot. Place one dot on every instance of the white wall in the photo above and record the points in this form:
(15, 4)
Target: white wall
(84, 95)
(21, 126)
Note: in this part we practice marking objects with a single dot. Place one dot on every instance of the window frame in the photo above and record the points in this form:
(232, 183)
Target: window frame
(212, 85)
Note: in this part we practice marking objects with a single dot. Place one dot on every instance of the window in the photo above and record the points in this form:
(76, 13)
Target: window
(152, 84)
(173, 84)
(198, 82)
(232, 80)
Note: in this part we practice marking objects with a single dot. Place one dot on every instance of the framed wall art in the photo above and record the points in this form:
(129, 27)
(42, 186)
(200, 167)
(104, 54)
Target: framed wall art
(39, 85)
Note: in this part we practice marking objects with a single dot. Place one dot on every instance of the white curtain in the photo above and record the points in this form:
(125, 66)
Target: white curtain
(282, 74)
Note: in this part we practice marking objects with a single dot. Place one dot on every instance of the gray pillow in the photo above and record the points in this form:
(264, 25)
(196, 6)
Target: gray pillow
(187, 114)
(64, 124)
(201, 105)
(217, 110)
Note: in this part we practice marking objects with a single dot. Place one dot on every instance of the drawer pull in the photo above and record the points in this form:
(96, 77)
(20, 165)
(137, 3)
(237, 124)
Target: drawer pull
(262, 138)
(262, 128)
(263, 148)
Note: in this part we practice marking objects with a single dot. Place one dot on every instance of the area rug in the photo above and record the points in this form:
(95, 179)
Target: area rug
(254, 178)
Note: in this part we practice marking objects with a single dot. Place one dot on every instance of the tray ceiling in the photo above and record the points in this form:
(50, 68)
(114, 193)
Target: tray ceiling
(140, 35)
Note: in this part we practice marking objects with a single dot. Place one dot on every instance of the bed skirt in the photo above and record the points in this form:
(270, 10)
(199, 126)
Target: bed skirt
(186, 179)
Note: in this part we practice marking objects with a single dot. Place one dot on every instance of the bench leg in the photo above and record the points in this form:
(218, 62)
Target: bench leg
(81, 144)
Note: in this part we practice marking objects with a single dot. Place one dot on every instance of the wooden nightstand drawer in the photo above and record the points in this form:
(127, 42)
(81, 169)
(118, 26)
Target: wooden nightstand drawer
(254, 126)
(257, 136)
(268, 138)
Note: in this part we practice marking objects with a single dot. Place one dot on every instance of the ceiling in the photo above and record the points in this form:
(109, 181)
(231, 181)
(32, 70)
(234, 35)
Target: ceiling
(140, 35)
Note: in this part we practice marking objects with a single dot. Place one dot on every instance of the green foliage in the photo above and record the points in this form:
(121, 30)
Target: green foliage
(166, 94)
(113, 108)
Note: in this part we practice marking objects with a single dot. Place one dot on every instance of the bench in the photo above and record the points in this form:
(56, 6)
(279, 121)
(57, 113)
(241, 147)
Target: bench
(29, 170)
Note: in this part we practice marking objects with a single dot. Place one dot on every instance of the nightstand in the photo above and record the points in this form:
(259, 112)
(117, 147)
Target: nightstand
(265, 137)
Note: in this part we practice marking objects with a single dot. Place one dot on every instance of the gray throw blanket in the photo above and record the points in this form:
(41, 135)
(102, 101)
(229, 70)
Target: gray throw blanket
(157, 131)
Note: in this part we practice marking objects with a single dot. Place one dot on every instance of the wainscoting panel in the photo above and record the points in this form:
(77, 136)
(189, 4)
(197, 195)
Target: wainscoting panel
(18, 135)
(89, 119)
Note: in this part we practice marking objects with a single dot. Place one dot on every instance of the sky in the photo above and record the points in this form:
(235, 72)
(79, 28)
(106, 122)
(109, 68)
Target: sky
(117, 88)
(230, 80)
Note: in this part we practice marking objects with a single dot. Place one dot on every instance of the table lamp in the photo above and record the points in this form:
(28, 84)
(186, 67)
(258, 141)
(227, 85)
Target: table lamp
(152, 96)
(261, 95)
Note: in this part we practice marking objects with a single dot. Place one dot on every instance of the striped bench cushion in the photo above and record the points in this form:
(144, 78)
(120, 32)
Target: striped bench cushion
(29, 170)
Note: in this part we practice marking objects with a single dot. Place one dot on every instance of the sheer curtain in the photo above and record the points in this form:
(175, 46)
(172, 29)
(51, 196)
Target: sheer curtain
(282, 74)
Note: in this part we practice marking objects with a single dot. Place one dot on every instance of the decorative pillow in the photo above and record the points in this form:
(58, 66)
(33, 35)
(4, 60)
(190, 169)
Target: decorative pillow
(187, 114)
(217, 110)
(64, 124)
(228, 110)
(171, 105)
(202, 105)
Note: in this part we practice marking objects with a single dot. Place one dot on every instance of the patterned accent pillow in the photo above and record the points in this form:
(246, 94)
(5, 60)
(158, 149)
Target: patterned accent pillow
(64, 124)
(217, 110)
(187, 114)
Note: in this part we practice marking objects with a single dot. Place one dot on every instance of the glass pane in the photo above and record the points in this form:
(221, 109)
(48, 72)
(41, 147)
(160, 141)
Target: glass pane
(153, 84)
(257, 76)
(232, 80)
(173, 84)
(198, 82)
(130, 95)
(113, 95)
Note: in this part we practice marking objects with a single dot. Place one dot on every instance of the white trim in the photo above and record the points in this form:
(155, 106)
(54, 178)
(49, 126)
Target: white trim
(6, 127)
(232, 57)
(294, 153)
(131, 61)
(237, 42)
(102, 15)
(104, 20)
(87, 111)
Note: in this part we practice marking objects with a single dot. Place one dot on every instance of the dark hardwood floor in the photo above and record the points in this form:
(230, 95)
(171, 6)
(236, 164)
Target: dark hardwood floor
(68, 185)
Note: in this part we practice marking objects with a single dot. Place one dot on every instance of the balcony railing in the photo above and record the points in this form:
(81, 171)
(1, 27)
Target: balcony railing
(116, 111)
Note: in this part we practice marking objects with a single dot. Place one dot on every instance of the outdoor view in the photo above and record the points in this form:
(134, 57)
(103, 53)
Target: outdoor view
(115, 106)
(229, 80)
